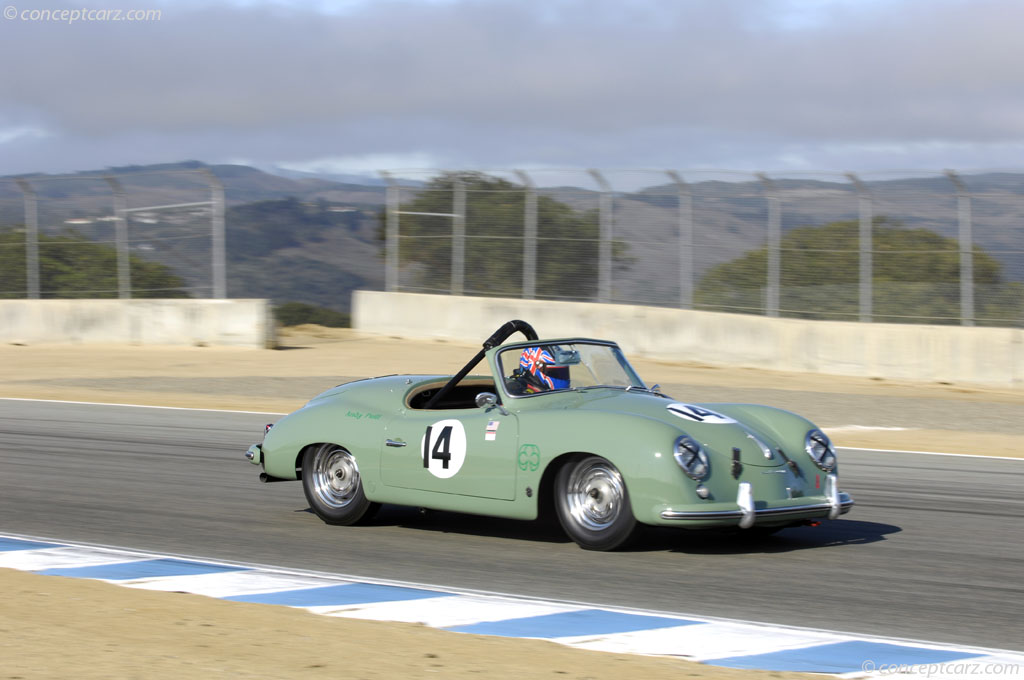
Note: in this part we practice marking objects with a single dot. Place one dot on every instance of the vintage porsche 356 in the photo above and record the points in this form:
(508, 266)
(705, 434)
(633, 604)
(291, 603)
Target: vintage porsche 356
(564, 423)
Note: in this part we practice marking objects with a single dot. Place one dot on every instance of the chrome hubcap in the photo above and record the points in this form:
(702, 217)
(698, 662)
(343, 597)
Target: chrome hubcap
(595, 494)
(335, 476)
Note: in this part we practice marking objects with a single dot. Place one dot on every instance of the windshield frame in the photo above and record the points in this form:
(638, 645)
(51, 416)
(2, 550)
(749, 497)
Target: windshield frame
(620, 356)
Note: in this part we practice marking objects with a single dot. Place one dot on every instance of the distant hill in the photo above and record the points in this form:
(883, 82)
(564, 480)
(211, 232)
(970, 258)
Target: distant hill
(288, 239)
(303, 251)
(169, 183)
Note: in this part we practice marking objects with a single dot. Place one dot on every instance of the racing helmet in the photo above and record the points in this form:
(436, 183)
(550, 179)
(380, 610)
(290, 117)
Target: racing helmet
(540, 363)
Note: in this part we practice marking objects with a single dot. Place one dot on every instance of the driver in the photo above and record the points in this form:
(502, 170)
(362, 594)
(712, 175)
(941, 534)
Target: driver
(538, 368)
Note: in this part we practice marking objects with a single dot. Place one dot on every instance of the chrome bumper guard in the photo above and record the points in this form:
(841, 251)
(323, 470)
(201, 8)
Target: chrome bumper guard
(255, 454)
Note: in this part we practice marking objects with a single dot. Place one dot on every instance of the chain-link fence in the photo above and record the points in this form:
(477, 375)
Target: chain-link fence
(119, 235)
(915, 248)
(936, 248)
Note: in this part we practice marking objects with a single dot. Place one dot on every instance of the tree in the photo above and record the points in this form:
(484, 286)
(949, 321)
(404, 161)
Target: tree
(299, 313)
(72, 266)
(915, 277)
(567, 248)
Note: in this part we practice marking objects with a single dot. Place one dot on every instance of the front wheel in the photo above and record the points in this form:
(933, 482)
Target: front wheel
(593, 505)
(333, 487)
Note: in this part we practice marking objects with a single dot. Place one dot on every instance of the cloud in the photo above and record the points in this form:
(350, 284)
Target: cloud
(21, 133)
(507, 81)
(362, 163)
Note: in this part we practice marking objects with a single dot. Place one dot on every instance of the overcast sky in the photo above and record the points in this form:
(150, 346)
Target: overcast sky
(351, 85)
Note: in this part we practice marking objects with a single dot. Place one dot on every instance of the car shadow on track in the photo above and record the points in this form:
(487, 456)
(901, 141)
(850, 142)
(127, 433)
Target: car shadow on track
(828, 533)
(540, 530)
(648, 539)
(403, 517)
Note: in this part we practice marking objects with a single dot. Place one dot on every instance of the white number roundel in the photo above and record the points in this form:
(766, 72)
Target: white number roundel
(443, 448)
(698, 414)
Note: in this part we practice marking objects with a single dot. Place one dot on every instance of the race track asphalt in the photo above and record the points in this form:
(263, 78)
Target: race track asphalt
(932, 550)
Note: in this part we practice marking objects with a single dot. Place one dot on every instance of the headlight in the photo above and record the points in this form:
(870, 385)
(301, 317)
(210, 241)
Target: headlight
(819, 448)
(691, 457)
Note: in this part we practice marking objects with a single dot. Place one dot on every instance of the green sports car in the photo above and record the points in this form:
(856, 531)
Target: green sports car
(564, 423)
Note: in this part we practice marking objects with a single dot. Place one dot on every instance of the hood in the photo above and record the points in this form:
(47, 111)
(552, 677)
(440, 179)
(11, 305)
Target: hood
(718, 427)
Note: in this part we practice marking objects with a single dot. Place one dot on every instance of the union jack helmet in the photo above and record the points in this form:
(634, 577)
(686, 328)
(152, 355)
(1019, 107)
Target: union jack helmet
(539, 362)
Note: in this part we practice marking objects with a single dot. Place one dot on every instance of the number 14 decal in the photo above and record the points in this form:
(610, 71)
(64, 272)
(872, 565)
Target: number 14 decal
(443, 448)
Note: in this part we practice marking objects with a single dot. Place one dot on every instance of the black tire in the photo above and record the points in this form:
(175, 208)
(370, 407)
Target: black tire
(333, 487)
(592, 504)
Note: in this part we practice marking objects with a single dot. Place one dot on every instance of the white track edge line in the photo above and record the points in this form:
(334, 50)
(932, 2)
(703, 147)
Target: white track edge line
(929, 453)
(169, 408)
(510, 596)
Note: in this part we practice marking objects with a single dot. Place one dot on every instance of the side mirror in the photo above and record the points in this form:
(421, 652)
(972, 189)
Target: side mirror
(487, 400)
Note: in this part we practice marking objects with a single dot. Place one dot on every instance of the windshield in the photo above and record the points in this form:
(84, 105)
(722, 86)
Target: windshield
(563, 366)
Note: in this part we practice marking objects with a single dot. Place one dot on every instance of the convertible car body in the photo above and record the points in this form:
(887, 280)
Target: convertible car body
(562, 422)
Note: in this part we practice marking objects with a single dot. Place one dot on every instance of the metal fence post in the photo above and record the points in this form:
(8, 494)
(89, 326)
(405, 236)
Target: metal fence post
(391, 203)
(529, 237)
(604, 247)
(774, 245)
(124, 282)
(31, 237)
(685, 240)
(866, 246)
(458, 236)
(963, 204)
(217, 235)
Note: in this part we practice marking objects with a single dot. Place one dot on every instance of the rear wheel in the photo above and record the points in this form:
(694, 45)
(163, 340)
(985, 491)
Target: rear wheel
(593, 505)
(334, 489)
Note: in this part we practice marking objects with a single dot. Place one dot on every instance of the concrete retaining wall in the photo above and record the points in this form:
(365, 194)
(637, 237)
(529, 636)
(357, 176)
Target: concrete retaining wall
(984, 356)
(239, 323)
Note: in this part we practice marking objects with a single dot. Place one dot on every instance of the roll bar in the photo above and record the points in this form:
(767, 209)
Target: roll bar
(497, 337)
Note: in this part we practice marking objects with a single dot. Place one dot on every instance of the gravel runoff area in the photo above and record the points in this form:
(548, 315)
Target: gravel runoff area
(52, 627)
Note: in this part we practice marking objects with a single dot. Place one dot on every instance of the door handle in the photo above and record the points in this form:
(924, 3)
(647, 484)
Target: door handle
(394, 442)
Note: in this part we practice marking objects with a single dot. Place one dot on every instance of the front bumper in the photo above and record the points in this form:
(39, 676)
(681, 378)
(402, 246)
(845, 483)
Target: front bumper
(791, 512)
(747, 512)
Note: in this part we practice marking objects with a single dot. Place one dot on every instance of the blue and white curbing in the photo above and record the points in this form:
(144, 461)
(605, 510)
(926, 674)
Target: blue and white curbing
(717, 642)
